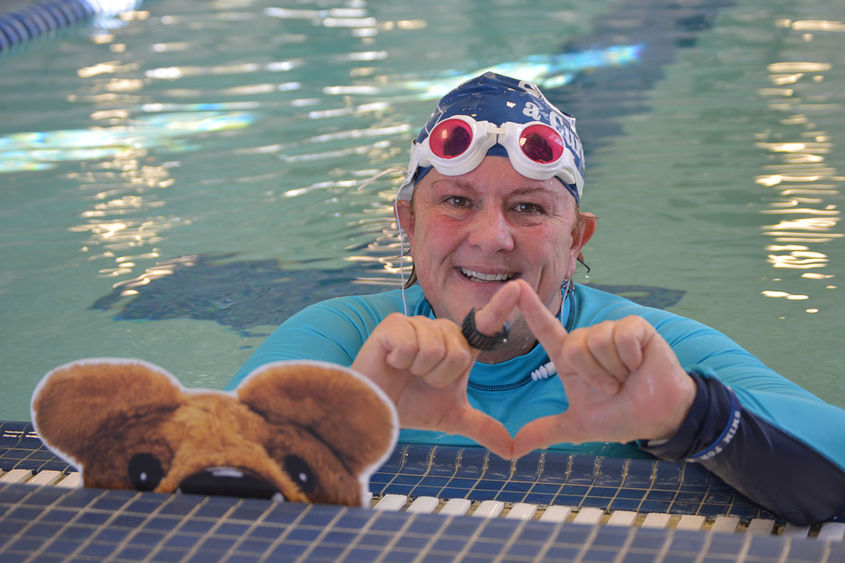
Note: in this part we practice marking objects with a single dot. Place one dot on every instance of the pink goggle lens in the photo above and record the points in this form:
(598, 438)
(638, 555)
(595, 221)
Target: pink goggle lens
(541, 143)
(450, 138)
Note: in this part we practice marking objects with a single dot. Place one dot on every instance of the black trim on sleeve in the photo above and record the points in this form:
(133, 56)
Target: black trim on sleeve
(761, 461)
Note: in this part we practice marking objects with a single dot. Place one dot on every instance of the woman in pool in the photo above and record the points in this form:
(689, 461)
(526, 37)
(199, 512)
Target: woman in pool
(490, 206)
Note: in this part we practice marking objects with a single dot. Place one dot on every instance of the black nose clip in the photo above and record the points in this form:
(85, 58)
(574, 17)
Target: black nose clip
(230, 482)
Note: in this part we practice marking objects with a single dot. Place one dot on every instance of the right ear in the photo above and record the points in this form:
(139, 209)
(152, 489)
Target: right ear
(336, 405)
(77, 405)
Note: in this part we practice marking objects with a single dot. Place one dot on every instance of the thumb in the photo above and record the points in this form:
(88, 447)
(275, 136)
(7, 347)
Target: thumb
(491, 318)
(486, 430)
(543, 432)
(543, 324)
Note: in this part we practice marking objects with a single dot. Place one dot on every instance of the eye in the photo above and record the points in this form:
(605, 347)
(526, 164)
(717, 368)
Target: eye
(457, 201)
(301, 473)
(145, 471)
(529, 208)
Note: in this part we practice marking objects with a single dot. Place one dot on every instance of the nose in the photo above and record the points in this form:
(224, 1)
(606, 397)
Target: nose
(230, 482)
(491, 231)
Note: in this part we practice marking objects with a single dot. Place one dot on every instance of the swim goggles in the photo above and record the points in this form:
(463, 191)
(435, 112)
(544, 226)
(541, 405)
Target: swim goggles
(459, 143)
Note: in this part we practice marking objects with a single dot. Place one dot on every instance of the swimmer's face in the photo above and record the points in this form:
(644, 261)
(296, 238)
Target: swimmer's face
(470, 234)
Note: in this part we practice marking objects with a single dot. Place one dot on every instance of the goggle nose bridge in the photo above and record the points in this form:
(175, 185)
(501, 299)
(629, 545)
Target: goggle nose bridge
(497, 130)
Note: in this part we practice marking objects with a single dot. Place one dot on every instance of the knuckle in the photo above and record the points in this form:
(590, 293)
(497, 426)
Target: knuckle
(431, 354)
(600, 336)
(458, 358)
(446, 326)
(394, 319)
(404, 351)
(462, 356)
(573, 351)
(634, 322)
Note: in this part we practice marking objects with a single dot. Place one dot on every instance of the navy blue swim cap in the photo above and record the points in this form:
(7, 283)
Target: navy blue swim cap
(501, 99)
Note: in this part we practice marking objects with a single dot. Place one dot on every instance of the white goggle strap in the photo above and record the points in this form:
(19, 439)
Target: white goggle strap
(407, 188)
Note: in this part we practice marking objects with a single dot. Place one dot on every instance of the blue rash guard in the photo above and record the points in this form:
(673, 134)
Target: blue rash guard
(770, 439)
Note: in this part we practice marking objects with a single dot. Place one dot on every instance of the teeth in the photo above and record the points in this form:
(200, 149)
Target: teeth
(485, 277)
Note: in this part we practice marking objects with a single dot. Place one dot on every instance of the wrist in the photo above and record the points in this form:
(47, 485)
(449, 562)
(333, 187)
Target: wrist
(706, 430)
(687, 391)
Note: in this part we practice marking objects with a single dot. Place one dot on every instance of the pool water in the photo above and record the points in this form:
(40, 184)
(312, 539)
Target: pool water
(180, 180)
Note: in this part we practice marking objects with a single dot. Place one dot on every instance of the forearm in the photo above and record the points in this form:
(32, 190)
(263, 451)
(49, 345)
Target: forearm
(760, 460)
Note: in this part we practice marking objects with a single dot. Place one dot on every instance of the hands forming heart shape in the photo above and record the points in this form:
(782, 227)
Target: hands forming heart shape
(622, 380)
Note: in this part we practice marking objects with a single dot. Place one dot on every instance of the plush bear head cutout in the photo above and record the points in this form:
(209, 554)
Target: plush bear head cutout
(299, 431)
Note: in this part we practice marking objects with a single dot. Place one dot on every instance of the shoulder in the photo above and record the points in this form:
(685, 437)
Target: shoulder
(595, 305)
(368, 310)
(332, 330)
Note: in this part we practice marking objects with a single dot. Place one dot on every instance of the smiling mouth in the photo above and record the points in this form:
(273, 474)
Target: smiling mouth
(489, 278)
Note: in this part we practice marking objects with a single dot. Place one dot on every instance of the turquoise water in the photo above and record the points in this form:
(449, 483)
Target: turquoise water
(180, 180)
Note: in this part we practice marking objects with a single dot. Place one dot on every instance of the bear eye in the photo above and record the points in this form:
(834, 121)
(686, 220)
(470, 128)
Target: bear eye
(301, 473)
(145, 471)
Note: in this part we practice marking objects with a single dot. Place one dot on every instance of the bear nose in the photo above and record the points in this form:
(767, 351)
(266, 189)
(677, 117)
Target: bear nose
(231, 482)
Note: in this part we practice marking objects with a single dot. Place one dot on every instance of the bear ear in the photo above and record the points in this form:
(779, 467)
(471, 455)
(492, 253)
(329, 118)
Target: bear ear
(78, 404)
(343, 408)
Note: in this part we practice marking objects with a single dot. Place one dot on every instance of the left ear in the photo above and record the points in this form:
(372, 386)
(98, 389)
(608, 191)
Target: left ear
(85, 410)
(406, 216)
(581, 235)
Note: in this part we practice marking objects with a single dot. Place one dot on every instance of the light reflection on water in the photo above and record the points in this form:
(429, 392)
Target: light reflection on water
(139, 116)
(245, 128)
(807, 216)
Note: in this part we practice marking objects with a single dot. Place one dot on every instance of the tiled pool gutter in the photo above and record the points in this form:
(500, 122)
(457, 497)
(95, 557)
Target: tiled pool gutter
(56, 522)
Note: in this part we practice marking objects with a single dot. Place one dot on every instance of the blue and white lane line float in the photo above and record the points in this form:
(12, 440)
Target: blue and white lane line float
(26, 22)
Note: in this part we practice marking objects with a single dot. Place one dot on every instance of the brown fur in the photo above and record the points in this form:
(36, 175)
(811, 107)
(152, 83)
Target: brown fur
(99, 413)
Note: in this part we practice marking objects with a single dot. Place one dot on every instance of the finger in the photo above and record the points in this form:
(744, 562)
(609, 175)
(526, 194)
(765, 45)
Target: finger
(634, 335)
(601, 342)
(431, 346)
(544, 432)
(580, 357)
(570, 353)
(484, 429)
(457, 358)
(543, 324)
(399, 339)
(606, 354)
(491, 318)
